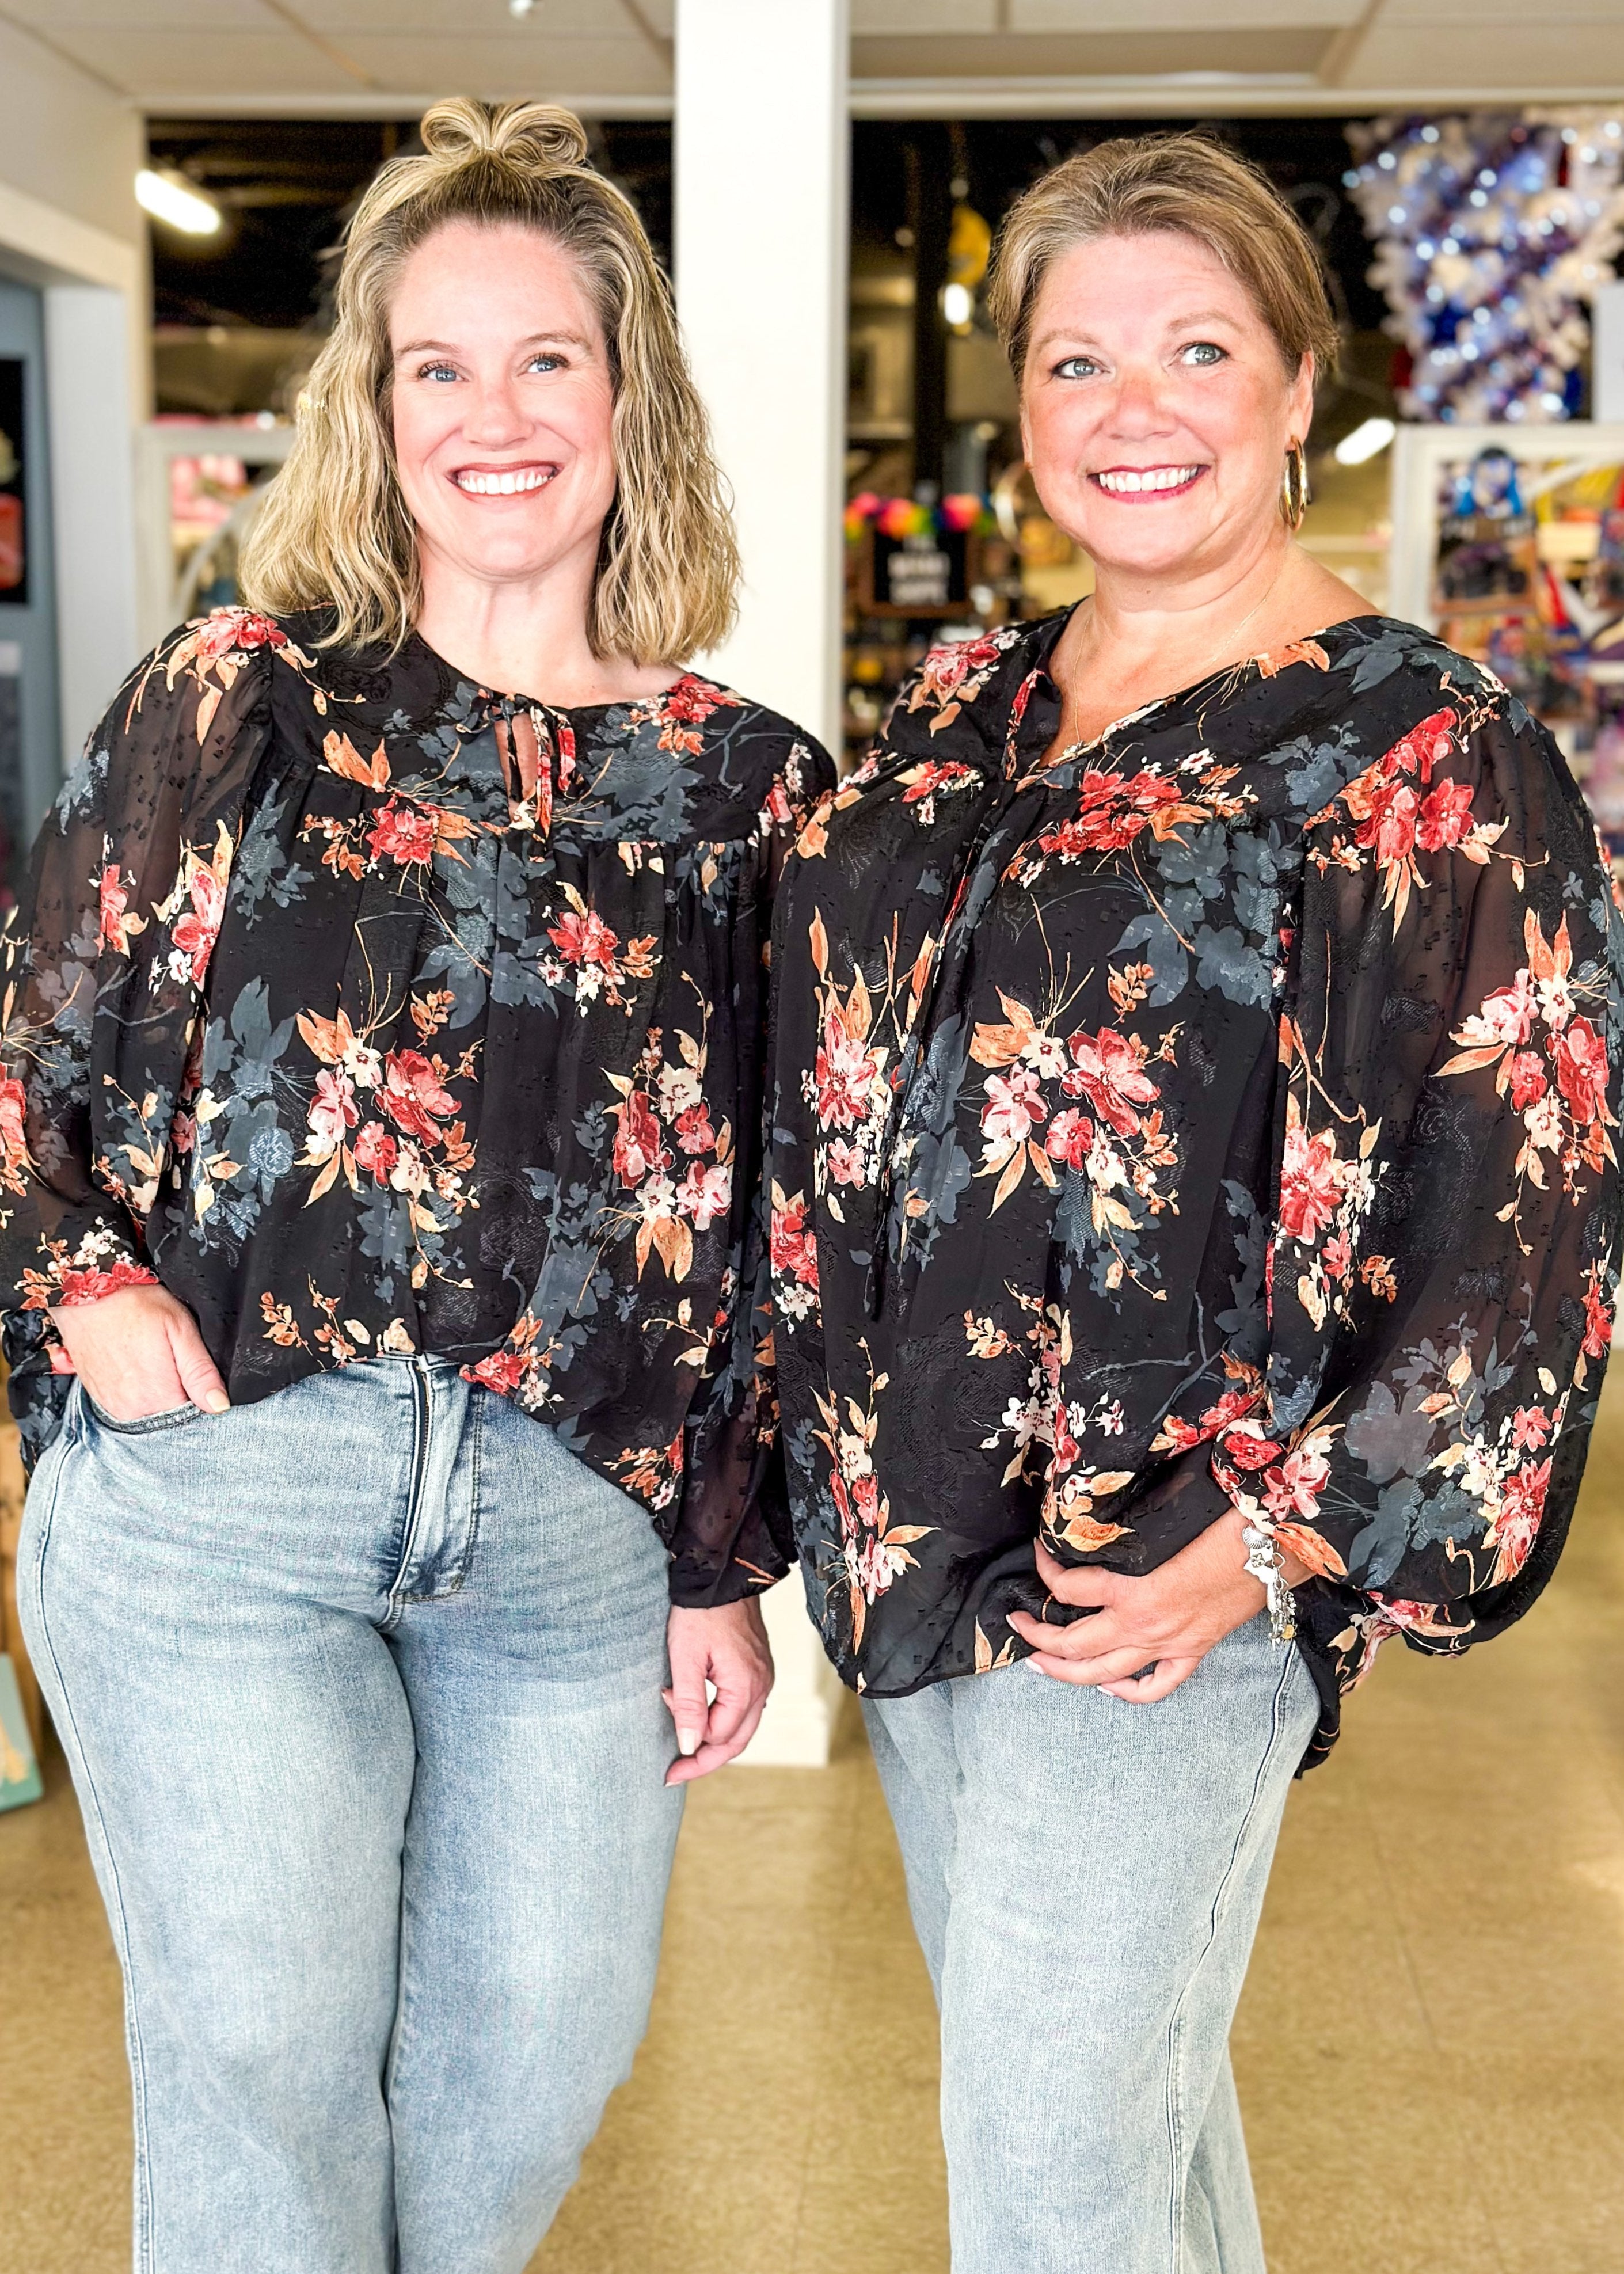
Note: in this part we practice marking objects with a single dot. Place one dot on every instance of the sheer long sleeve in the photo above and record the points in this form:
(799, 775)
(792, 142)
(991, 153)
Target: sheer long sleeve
(732, 1535)
(1441, 1266)
(127, 885)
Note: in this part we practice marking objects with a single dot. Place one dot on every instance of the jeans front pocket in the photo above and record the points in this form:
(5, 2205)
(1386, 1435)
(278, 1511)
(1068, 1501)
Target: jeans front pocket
(144, 1424)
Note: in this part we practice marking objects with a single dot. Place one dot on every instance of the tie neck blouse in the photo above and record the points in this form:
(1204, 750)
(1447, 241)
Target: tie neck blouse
(371, 1012)
(1220, 1115)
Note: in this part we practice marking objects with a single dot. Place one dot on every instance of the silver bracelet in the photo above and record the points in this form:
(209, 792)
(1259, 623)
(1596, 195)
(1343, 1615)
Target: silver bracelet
(1263, 1560)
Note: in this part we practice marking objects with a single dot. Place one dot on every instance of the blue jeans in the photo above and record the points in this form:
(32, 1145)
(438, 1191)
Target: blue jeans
(360, 1687)
(1086, 1877)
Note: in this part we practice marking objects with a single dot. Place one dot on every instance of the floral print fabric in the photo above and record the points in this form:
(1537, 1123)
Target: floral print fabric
(1221, 1114)
(371, 1012)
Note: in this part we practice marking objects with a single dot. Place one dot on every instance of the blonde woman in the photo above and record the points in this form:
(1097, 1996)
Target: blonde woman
(383, 1119)
(1196, 1242)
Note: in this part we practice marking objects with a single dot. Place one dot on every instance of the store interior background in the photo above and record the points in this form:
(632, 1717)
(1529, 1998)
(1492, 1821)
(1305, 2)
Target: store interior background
(930, 412)
(1431, 2048)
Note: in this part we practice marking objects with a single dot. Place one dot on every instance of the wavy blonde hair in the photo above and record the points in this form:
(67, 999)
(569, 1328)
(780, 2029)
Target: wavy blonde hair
(335, 531)
(1141, 184)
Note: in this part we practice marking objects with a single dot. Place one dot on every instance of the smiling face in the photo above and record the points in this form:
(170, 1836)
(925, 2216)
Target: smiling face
(502, 403)
(1156, 410)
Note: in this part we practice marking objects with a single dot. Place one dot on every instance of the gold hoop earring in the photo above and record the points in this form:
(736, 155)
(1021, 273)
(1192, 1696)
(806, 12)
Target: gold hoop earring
(1294, 491)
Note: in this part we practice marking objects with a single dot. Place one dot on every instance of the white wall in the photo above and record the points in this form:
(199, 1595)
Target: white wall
(70, 225)
(69, 142)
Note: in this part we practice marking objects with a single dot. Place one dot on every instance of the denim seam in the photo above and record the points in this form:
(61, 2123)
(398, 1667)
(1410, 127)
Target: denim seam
(145, 2260)
(477, 1411)
(1175, 2030)
(473, 1431)
(422, 1447)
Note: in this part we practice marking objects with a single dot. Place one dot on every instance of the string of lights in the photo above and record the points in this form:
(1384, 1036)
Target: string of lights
(1493, 231)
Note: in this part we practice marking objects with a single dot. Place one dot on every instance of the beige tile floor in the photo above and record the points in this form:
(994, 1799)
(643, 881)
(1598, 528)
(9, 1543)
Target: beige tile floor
(1431, 2048)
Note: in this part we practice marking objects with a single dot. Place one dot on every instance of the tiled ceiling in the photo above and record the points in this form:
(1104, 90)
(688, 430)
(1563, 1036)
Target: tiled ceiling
(384, 57)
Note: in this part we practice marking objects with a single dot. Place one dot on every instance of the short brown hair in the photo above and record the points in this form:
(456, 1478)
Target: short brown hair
(335, 531)
(1185, 182)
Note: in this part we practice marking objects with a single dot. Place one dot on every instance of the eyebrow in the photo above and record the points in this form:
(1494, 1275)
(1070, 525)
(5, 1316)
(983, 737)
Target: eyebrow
(535, 339)
(1176, 324)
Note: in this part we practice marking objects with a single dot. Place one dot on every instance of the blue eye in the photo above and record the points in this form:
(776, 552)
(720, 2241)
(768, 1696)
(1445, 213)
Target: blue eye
(436, 370)
(1076, 368)
(1203, 353)
(545, 361)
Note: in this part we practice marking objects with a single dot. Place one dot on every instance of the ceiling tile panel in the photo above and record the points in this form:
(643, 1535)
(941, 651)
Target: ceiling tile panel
(472, 19)
(55, 16)
(924, 16)
(457, 63)
(202, 63)
(1519, 58)
(1580, 13)
(1178, 15)
(1111, 55)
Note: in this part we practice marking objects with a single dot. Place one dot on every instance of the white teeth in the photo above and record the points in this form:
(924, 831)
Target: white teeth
(1152, 477)
(528, 477)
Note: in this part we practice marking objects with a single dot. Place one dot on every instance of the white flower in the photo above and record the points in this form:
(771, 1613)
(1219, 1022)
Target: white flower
(1046, 1056)
(656, 1200)
(1105, 1165)
(1542, 1121)
(1556, 1000)
(679, 1088)
(1020, 1417)
(412, 1173)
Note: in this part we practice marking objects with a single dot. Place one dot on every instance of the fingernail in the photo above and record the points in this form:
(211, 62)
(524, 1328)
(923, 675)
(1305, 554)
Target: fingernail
(216, 1402)
(687, 1741)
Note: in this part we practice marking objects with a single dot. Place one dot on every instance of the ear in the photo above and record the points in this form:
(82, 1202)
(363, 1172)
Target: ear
(1300, 400)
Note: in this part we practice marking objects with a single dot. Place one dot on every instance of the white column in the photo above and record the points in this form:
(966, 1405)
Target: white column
(762, 166)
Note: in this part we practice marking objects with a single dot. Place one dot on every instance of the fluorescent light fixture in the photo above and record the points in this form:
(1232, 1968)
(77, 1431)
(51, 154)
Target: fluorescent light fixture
(171, 201)
(1364, 441)
(958, 303)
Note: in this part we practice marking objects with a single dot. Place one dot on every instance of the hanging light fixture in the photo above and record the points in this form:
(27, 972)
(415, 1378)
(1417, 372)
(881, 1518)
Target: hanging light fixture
(170, 198)
(1364, 441)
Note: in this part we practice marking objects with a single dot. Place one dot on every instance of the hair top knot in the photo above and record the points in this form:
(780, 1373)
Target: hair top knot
(533, 138)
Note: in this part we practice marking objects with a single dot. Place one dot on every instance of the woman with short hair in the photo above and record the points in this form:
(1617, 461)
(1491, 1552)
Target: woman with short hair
(384, 1038)
(1195, 1206)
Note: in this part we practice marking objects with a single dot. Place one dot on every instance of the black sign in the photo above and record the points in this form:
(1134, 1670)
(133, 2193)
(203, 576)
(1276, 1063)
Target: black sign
(13, 516)
(925, 572)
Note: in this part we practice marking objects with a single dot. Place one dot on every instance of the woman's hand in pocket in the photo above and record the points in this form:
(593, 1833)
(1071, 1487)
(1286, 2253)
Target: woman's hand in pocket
(728, 1648)
(140, 1352)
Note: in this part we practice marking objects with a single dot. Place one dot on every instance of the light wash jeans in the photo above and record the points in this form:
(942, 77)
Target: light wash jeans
(360, 1687)
(1086, 1877)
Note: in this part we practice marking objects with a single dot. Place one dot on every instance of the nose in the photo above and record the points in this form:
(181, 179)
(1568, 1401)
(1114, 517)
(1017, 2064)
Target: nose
(494, 418)
(1139, 407)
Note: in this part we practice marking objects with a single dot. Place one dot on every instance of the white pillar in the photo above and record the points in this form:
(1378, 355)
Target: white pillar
(90, 387)
(761, 166)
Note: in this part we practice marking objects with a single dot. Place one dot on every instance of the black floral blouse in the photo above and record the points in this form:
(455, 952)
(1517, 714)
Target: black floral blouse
(371, 1012)
(1219, 1113)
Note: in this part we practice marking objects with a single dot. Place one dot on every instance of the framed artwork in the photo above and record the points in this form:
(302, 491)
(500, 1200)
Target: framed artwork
(13, 508)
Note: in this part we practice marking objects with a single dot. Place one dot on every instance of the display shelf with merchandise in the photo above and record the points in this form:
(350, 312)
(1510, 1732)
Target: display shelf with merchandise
(1508, 542)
